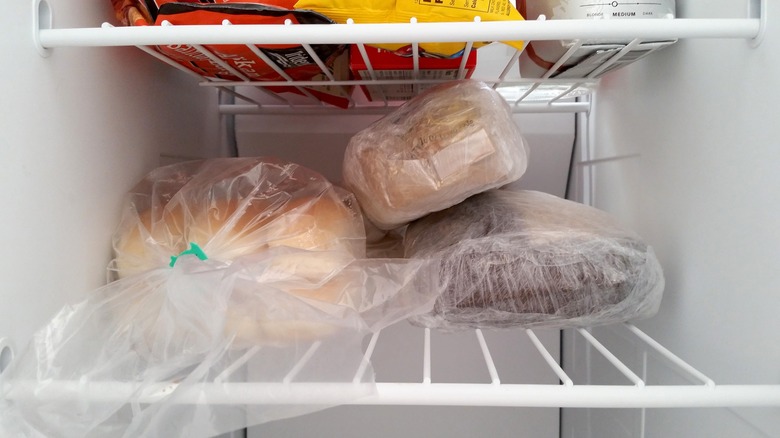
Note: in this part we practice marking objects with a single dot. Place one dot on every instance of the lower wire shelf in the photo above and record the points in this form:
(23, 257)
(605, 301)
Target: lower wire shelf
(702, 392)
(425, 394)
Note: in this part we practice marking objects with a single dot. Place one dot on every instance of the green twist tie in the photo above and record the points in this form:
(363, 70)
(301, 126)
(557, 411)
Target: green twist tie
(194, 250)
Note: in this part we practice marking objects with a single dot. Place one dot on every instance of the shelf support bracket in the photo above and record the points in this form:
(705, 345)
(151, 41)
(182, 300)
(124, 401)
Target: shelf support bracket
(757, 9)
(42, 19)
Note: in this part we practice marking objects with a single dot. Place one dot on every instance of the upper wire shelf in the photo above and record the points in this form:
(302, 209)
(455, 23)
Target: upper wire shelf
(543, 94)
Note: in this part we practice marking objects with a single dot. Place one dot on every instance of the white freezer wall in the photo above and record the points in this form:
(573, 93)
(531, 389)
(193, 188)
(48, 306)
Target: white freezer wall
(705, 192)
(77, 130)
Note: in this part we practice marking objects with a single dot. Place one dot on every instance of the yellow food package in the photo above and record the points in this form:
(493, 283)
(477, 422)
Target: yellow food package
(426, 11)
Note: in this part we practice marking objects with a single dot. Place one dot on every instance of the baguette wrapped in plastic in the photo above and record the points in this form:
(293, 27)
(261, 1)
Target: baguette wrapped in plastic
(531, 259)
(450, 142)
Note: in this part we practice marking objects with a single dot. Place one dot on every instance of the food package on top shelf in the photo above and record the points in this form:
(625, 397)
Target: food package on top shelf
(540, 56)
(132, 12)
(391, 65)
(402, 11)
(531, 259)
(450, 142)
(238, 62)
(154, 5)
(230, 270)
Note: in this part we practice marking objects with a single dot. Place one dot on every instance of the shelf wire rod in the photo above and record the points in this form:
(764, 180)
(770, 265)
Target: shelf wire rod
(228, 89)
(427, 357)
(509, 66)
(238, 363)
(301, 362)
(643, 411)
(685, 366)
(366, 358)
(613, 59)
(595, 161)
(326, 71)
(491, 366)
(566, 92)
(415, 62)
(215, 59)
(465, 59)
(235, 93)
(371, 73)
(551, 362)
(191, 73)
(163, 58)
(574, 47)
(513, 60)
(273, 65)
(612, 358)
(398, 81)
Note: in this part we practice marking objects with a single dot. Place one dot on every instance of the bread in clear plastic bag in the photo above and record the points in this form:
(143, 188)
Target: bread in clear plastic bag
(450, 142)
(171, 364)
(233, 207)
(283, 298)
(238, 207)
(531, 259)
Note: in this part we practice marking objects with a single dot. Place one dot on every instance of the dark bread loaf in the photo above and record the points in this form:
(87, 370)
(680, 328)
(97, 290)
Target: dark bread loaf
(531, 259)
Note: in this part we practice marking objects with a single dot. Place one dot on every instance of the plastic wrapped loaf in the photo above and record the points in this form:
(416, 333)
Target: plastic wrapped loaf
(237, 209)
(530, 259)
(279, 294)
(450, 142)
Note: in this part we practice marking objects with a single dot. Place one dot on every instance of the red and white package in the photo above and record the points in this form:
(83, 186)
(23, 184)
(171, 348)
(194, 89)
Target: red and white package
(244, 63)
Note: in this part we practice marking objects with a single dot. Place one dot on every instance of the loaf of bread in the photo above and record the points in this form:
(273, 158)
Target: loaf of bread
(450, 142)
(301, 229)
(530, 259)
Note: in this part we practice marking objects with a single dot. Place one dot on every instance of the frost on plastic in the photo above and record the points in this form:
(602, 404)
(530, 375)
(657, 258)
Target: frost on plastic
(531, 259)
(450, 142)
(270, 326)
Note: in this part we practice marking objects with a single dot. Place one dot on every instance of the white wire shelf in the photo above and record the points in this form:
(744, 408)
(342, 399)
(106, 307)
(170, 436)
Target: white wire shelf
(700, 392)
(543, 94)
(528, 30)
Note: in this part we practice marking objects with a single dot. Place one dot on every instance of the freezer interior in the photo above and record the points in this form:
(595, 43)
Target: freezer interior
(677, 145)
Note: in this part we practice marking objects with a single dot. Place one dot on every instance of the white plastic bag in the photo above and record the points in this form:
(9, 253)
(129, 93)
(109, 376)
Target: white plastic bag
(281, 300)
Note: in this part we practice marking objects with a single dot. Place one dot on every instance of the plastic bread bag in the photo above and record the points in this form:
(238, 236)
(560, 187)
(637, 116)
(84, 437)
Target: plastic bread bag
(530, 259)
(450, 142)
(280, 301)
(233, 207)
(402, 11)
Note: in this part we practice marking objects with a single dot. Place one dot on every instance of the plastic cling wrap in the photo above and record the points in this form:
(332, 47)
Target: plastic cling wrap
(261, 316)
(531, 259)
(448, 143)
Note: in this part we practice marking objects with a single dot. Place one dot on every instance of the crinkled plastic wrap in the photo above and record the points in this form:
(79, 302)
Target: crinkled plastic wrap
(283, 299)
(530, 259)
(450, 142)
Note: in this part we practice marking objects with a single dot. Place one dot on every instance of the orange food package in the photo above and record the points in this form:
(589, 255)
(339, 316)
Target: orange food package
(132, 12)
(244, 63)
